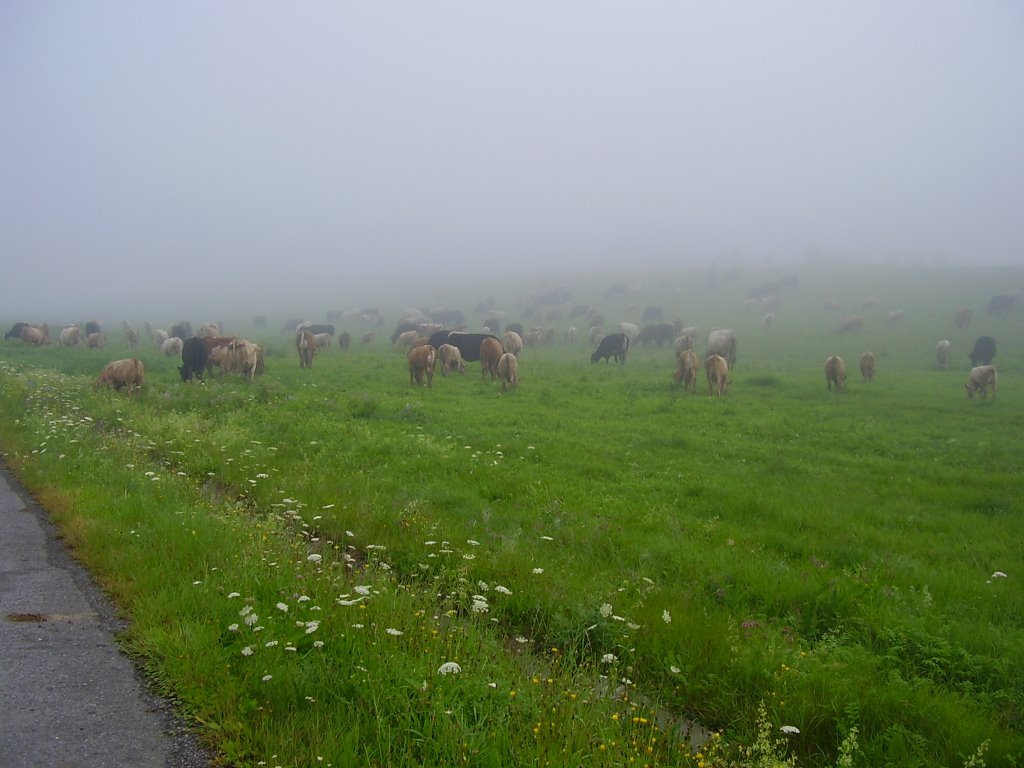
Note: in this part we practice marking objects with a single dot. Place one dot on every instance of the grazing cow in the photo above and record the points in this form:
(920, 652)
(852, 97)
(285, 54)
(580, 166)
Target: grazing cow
(344, 339)
(172, 346)
(981, 378)
(489, 354)
(512, 342)
(15, 332)
(160, 336)
(613, 345)
(93, 326)
(508, 371)
(867, 366)
(315, 328)
(369, 337)
(208, 329)
(850, 324)
(963, 317)
(70, 336)
(722, 341)
(1002, 303)
(95, 341)
(942, 350)
(686, 370)
(893, 317)
(128, 373)
(408, 338)
(322, 340)
(467, 343)
(421, 363)
(133, 337)
(682, 344)
(242, 357)
(983, 352)
(194, 356)
(450, 359)
(305, 343)
(835, 373)
(717, 370)
(182, 330)
(570, 334)
(31, 334)
(630, 330)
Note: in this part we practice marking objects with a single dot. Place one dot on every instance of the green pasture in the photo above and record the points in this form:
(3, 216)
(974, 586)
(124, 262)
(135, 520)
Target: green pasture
(624, 573)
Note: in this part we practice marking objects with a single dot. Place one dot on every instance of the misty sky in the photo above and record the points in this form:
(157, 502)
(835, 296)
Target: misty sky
(269, 147)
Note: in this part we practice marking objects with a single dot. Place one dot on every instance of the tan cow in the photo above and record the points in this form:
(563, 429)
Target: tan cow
(490, 354)
(305, 343)
(240, 356)
(981, 378)
(95, 340)
(963, 317)
(421, 363)
(867, 366)
(512, 342)
(717, 370)
(407, 339)
(508, 371)
(835, 373)
(70, 336)
(450, 359)
(128, 373)
(686, 370)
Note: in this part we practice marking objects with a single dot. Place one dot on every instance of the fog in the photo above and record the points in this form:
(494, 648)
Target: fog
(164, 155)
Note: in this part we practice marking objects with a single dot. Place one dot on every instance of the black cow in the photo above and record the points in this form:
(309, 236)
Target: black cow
(613, 345)
(315, 328)
(182, 330)
(194, 354)
(15, 332)
(516, 327)
(402, 327)
(468, 344)
(93, 326)
(1002, 303)
(983, 352)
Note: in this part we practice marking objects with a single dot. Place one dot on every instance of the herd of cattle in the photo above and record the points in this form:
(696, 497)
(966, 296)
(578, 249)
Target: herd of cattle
(429, 344)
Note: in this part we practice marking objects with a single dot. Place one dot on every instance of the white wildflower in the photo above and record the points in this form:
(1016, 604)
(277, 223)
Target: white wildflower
(449, 668)
(998, 575)
(606, 610)
(265, 678)
(395, 632)
(789, 729)
(247, 651)
(609, 658)
(233, 595)
(314, 558)
(282, 607)
(503, 590)
(666, 617)
(232, 627)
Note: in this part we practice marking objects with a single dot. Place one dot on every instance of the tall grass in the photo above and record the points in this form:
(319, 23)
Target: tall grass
(608, 559)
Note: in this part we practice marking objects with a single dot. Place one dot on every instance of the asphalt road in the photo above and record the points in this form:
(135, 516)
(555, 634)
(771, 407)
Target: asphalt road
(68, 697)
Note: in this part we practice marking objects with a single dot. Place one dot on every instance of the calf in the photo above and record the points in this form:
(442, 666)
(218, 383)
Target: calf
(717, 370)
(128, 373)
(305, 343)
(981, 378)
(508, 371)
(421, 363)
(614, 345)
(450, 359)
(867, 366)
(835, 373)
(686, 372)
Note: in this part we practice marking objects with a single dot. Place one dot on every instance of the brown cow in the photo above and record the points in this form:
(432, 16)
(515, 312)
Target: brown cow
(835, 373)
(717, 370)
(981, 377)
(32, 334)
(686, 372)
(963, 317)
(128, 373)
(867, 366)
(95, 340)
(305, 343)
(508, 371)
(490, 354)
(421, 362)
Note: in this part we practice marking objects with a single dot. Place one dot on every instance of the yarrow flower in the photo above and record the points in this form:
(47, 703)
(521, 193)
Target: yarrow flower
(395, 632)
(609, 658)
(449, 668)
(503, 590)
(314, 558)
(247, 651)
(606, 610)
(233, 594)
(538, 570)
(251, 619)
(789, 729)
(666, 617)
(282, 607)
(232, 627)
(998, 575)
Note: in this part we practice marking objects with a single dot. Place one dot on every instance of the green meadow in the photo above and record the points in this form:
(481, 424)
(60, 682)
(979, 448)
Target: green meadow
(333, 567)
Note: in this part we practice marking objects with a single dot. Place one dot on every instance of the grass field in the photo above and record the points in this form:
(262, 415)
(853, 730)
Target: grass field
(623, 573)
